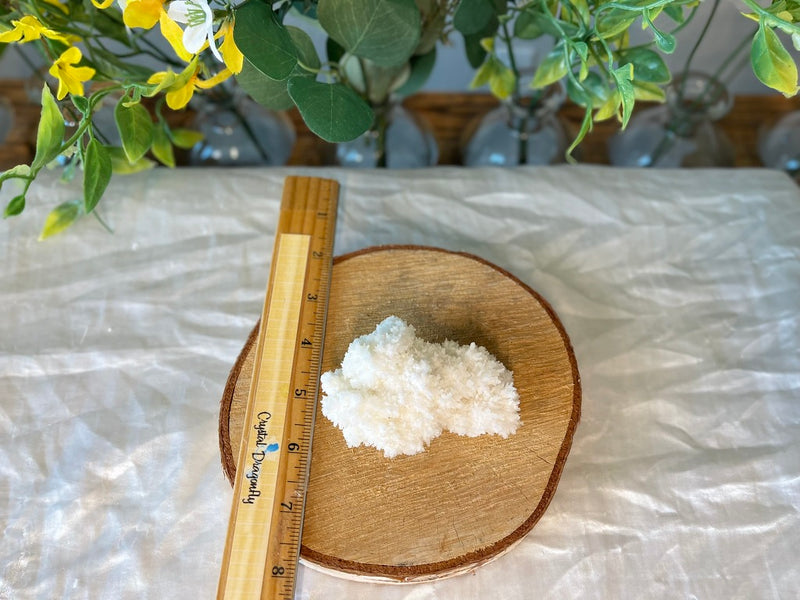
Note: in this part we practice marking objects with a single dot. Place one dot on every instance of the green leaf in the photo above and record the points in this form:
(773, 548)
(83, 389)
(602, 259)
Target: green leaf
(772, 63)
(334, 112)
(421, 68)
(185, 138)
(61, 217)
(81, 103)
(15, 206)
(96, 174)
(263, 41)
(665, 41)
(135, 129)
(551, 69)
(531, 24)
(648, 66)
(586, 127)
(333, 50)
(270, 92)
(592, 91)
(674, 12)
(612, 22)
(384, 31)
(162, 147)
(472, 16)
(50, 133)
(120, 164)
(623, 78)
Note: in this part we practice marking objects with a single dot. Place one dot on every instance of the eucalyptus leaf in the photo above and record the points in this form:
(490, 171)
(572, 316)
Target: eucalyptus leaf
(61, 217)
(96, 174)
(270, 92)
(772, 63)
(421, 69)
(332, 111)
(15, 206)
(472, 16)
(384, 31)
(333, 50)
(135, 129)
(263, 41)
(50, 133)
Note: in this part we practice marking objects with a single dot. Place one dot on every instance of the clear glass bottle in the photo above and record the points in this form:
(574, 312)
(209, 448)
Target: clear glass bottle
(527, 132)
(237, 131)
(680, 133)
(779, 146)
(398, 139)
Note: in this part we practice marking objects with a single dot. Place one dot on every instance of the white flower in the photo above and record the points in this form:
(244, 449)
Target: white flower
(199, 21)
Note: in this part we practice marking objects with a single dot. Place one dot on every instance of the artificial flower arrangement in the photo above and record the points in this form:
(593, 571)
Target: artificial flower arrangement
(375, 48)
(593, 56)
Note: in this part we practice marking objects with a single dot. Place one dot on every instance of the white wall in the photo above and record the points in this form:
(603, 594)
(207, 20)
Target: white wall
(452, 72)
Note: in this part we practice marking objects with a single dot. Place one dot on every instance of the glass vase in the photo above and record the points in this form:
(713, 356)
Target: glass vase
(237, 131)
(525, 132)
(779, 146)
(398, 139)
(682, 132)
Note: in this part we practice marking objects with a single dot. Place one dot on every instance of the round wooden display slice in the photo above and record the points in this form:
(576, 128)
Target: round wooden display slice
(464, 501)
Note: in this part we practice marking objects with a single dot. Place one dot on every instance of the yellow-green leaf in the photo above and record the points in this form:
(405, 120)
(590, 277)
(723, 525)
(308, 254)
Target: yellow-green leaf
(502, 82)
(551, 69)
(772, 63)
(162, 147)
(122, 166)
(61, 217)
(185, 138)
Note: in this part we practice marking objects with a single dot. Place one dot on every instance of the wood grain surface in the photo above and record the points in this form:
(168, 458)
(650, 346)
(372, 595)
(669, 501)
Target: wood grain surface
(464, 500)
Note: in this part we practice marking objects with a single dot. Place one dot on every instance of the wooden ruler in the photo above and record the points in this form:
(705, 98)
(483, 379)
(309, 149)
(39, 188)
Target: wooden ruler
(266, 520)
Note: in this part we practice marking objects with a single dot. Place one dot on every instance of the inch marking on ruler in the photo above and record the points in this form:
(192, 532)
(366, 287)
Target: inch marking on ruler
(262, 546)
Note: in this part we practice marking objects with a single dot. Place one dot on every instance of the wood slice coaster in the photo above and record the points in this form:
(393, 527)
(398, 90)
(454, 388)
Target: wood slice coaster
(464, 500)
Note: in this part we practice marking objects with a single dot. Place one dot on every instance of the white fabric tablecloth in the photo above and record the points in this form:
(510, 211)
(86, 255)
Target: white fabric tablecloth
(680, 291)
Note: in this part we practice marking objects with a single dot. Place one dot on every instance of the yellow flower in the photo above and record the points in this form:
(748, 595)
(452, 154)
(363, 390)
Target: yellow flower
(173, 33)
(231, 54)
(143, 13)
(179, 93)
(70, 78)
(28, 29)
